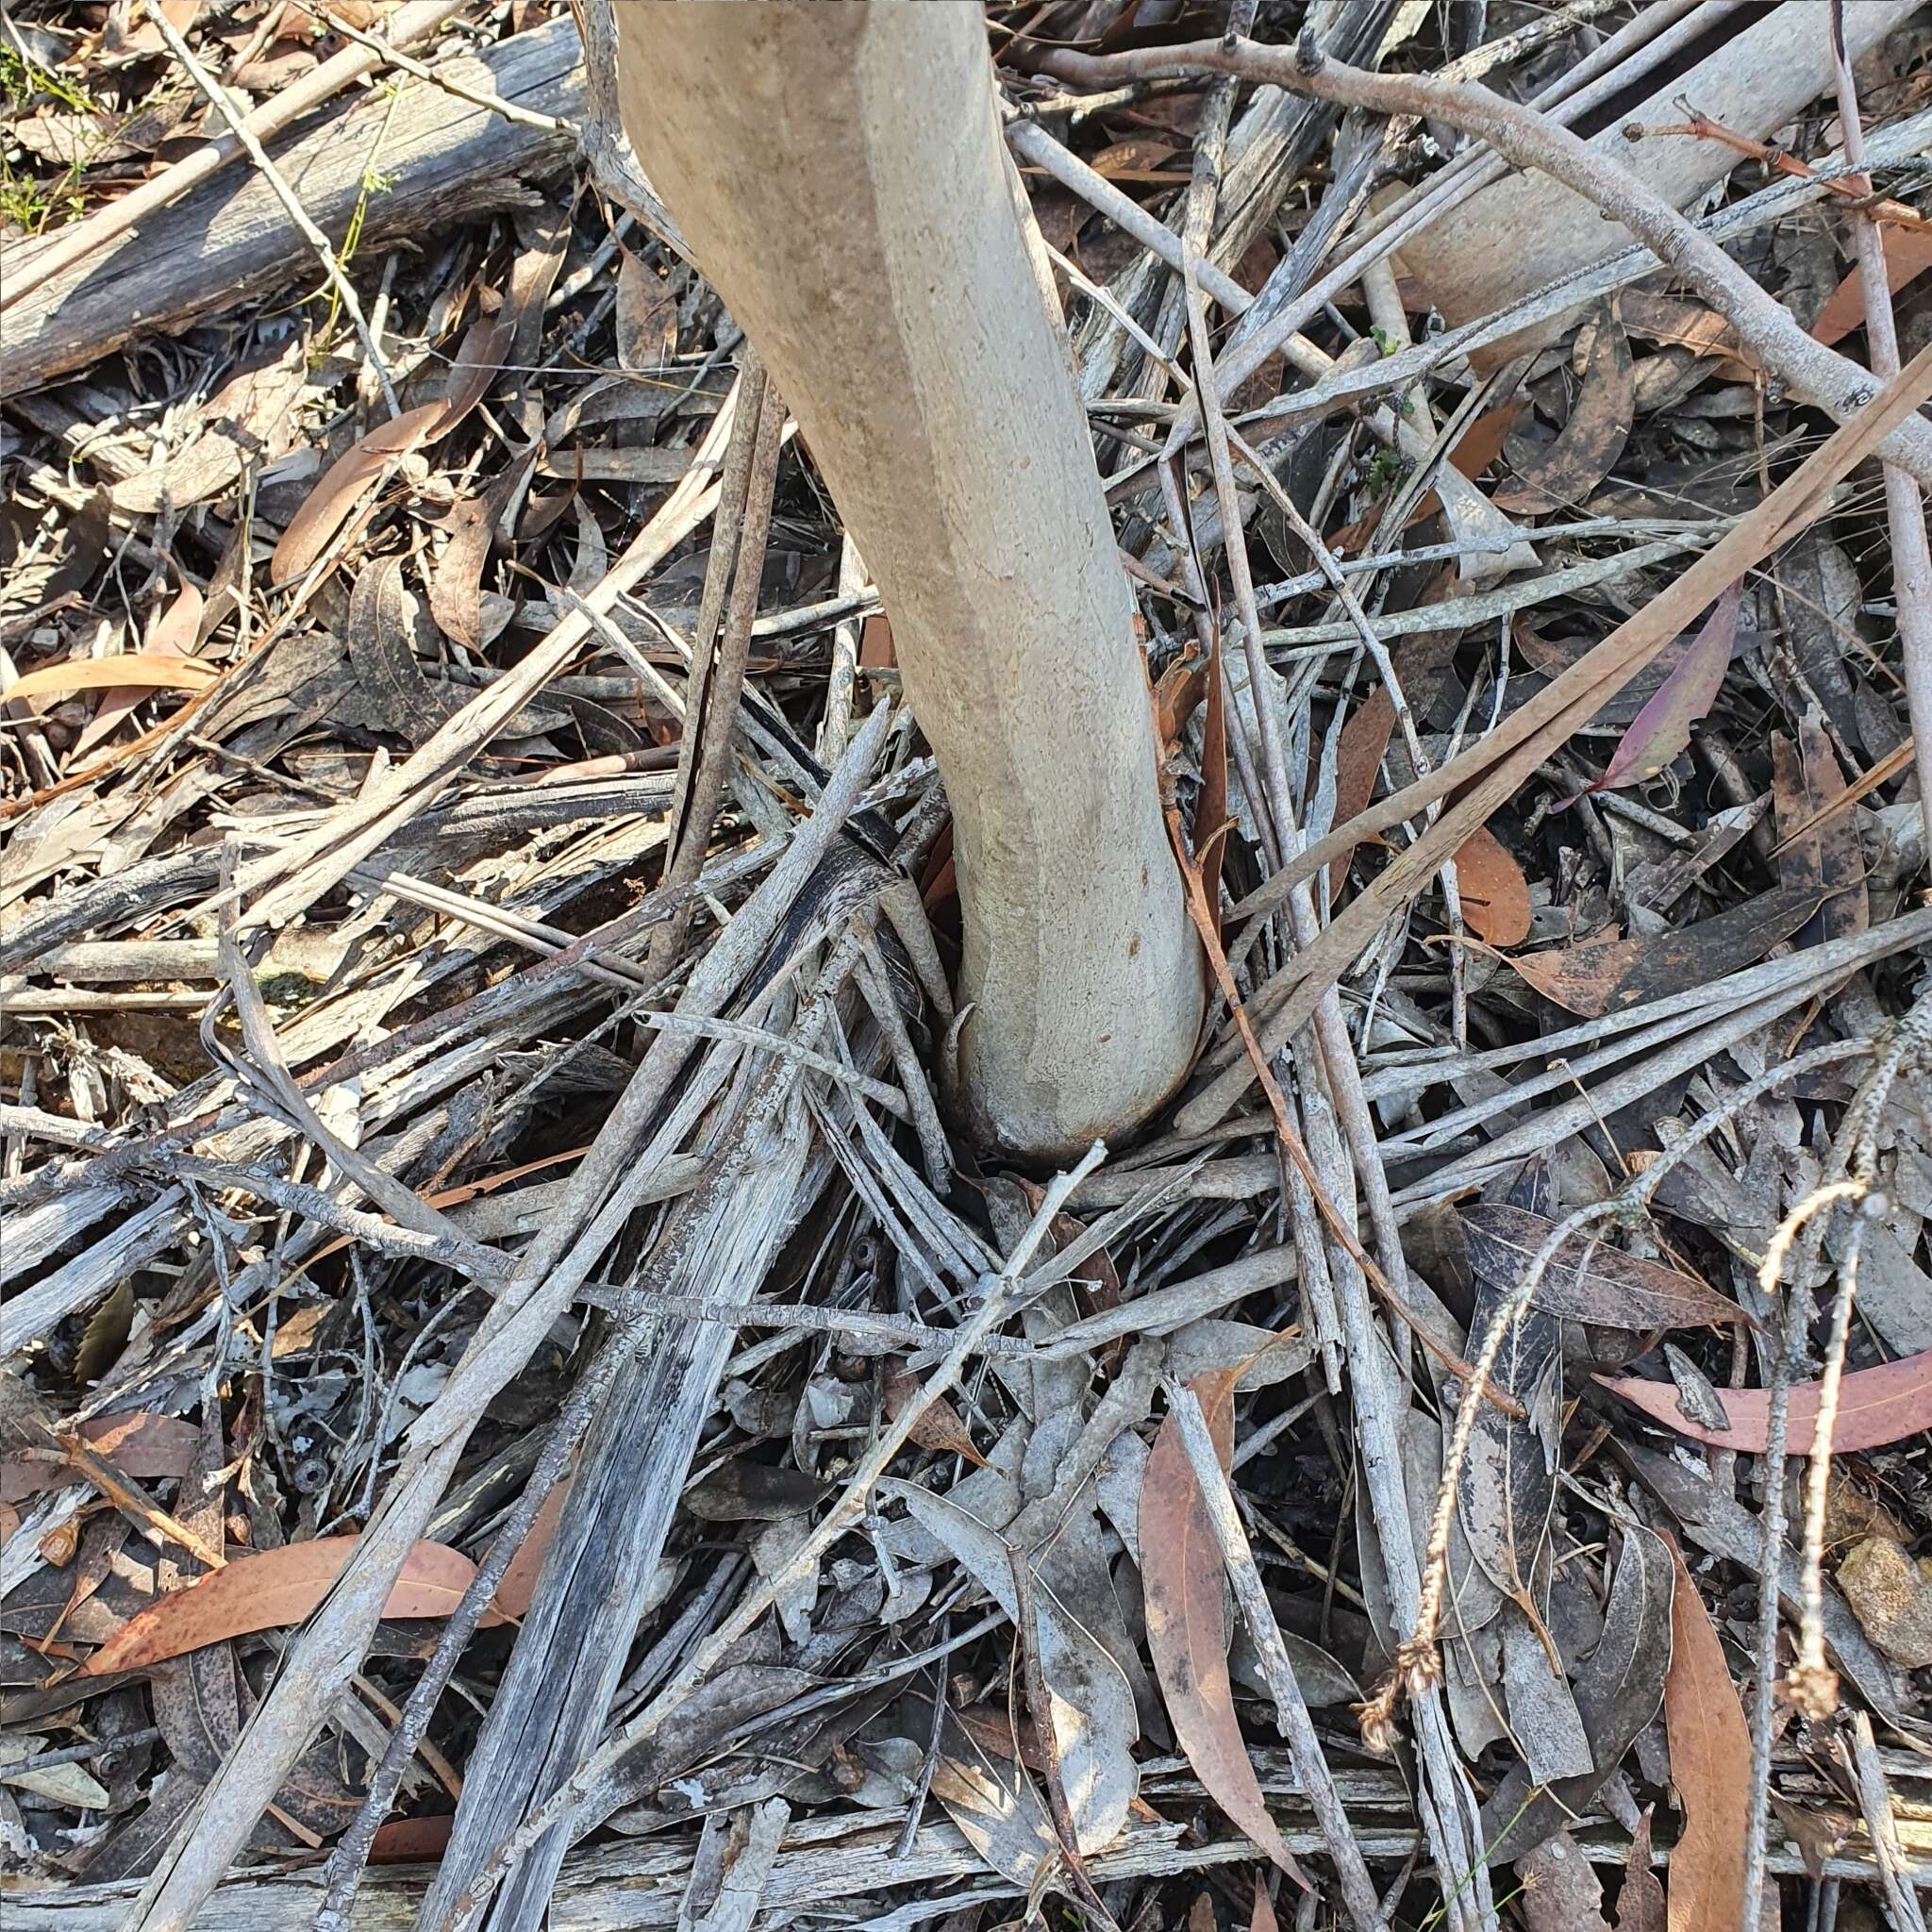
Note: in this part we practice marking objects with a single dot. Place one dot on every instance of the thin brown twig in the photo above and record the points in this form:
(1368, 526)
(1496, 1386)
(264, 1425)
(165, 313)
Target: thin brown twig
(1874, 207)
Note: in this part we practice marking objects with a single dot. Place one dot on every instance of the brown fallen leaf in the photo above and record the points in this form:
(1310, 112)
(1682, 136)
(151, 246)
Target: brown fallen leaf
(145, 1447)
(1595, 976)
(1494, 893)
(1262, 1919)
(1817, 844)
(271, 1590)
(1187, 1634)
(1875, 1407)
(513, 1594)
(646, 316)
(1640, 1904)
(174, 635)
(939, 1428)
(1587, 446)
(1710, 1746)
(1907, 256)
(1590, 1281)
(342, 486)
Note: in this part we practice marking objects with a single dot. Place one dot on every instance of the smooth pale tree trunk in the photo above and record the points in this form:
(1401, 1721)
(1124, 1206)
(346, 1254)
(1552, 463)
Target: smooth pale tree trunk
(838, 173)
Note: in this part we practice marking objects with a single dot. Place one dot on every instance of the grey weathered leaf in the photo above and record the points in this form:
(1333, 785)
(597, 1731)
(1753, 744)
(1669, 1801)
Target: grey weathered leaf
(1618, 1692)
(1588, 1281)
(1509, 1482)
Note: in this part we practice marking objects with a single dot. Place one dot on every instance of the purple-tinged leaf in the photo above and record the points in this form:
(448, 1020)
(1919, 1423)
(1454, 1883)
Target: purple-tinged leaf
(1662, 729)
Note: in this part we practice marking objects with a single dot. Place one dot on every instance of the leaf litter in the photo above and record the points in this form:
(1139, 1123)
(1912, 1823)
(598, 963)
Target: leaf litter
(253, 1233)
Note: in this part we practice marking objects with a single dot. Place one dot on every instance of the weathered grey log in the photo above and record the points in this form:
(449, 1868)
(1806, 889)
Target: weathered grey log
(441, 158)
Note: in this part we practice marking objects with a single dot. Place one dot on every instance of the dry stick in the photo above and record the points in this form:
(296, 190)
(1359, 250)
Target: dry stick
(598, 1201)
(721, 646)
(291, 880)
(1875, 1801)
(1291, 1708)
(413, 22)
(1492, 771)
(1455, 1851)
(1904, 508)
(391, 56)
(237, 124)
(1291, 1142)
(1530, 139)
(350, 1856)
(1002, 1294)
(1417, 1664)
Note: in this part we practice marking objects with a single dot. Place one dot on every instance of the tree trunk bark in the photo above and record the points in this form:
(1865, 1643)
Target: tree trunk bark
(839, 175)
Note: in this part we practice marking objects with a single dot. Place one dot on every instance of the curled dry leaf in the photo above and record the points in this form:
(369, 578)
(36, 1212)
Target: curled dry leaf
(1187, 1632)
(273, 1589)
(1875, 1407)
(1590, 1281)
(1709, 1746)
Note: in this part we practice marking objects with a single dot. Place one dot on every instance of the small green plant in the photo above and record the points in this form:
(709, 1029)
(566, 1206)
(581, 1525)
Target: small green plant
(1386, 468)
(373, 182)
(26, 202)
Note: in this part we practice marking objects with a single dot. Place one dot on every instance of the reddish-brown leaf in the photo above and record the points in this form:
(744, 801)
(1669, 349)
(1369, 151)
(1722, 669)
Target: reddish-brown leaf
(1494, 893)
(1597, 976)
(513, 1594)
(348, 479)
(1662, 729)
(1907, 256)
(1710, 1747)
(1875, 1407)
(174, 635)
(1357, 760)
(1187, 1635)
(343, 485)
(273, 1589)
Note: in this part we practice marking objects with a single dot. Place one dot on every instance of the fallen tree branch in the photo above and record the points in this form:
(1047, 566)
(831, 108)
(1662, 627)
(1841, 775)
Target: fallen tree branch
(73, 245)
(1817, 374)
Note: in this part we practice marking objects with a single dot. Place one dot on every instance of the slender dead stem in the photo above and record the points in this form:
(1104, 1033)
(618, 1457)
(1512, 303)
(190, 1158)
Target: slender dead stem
(1291, 1707)
(239, 126)
(1531, 139)
(1904, 506)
